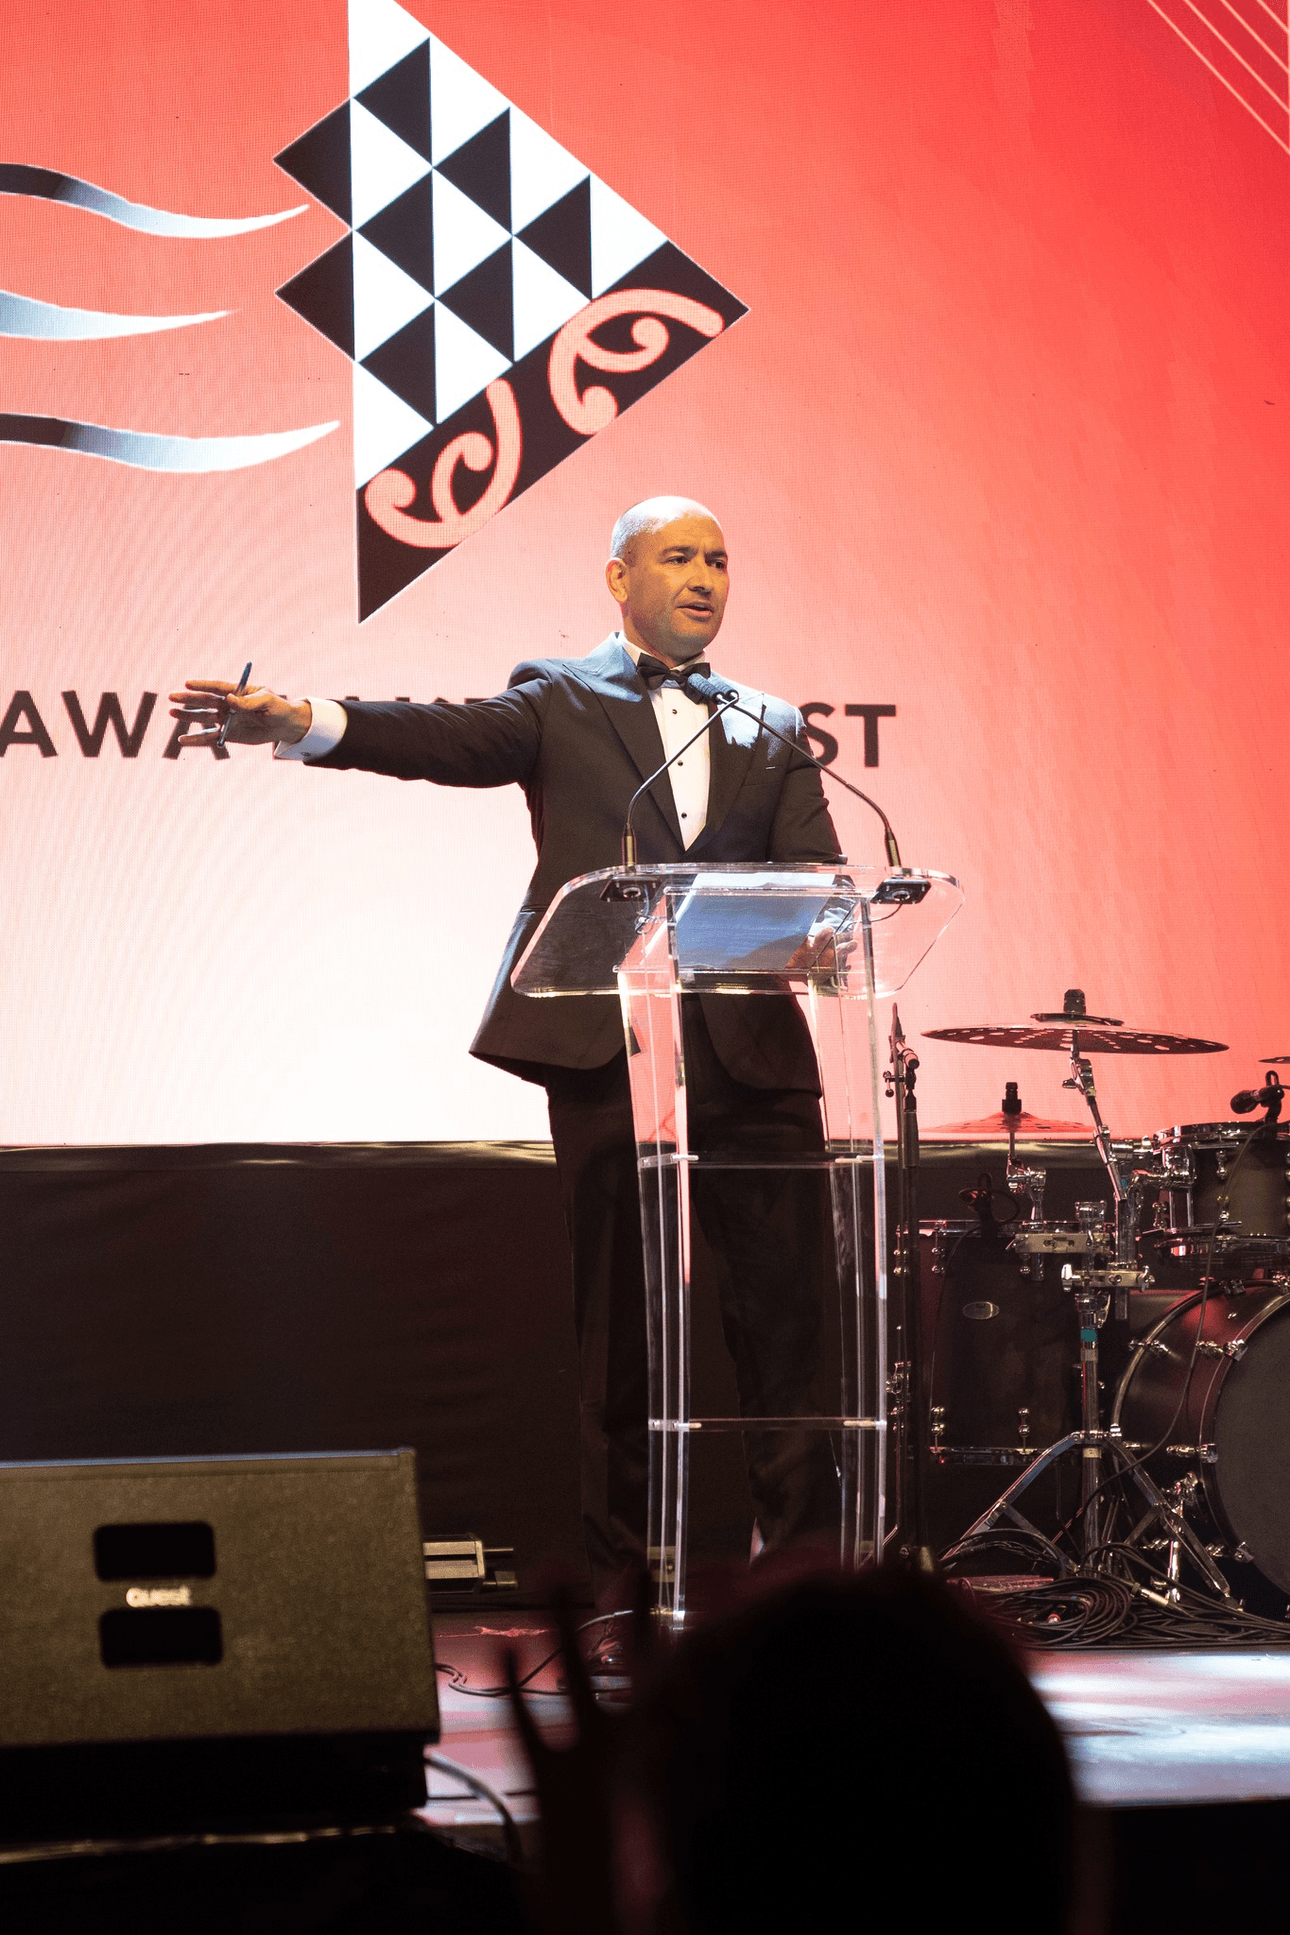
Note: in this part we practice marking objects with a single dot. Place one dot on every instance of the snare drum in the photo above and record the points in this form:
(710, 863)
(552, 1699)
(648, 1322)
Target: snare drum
(1243, 1206)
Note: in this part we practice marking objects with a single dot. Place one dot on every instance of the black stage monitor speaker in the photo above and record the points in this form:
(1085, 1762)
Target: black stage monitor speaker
(210, 1640)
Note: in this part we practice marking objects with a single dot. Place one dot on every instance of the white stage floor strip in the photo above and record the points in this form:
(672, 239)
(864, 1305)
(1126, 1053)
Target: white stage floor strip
(1143, 1728)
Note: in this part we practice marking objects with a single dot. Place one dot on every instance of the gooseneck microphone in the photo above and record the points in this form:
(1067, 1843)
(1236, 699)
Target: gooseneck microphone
(725, 703)
(727, 697)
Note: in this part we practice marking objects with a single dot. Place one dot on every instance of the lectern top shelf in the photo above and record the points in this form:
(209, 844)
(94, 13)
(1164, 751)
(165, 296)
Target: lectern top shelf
(740, 929)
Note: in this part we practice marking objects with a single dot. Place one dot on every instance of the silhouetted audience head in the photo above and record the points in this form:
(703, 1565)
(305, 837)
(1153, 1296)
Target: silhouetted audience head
(843, 1746)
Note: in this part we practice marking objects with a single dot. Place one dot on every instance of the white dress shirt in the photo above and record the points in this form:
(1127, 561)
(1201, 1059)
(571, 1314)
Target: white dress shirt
(678, 717)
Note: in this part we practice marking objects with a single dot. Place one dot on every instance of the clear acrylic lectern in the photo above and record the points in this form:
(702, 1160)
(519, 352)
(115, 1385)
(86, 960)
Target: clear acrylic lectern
(833, 938)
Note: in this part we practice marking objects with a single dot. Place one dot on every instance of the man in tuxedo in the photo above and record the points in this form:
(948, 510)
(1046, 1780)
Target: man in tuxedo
(580, 736)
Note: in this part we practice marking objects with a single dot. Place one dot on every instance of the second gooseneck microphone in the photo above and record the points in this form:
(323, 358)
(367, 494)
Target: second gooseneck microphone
(726, 699)
(727, 696)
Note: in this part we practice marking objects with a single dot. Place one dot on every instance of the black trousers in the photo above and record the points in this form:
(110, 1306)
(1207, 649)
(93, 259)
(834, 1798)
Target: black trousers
(767, 1232)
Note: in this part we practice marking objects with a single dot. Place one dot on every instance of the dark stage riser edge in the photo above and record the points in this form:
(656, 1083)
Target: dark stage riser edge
(195, 1300)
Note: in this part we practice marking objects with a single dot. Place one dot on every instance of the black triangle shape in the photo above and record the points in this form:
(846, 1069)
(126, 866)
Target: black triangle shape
(561, 235)
(319, 161)
(481, 168)
(404, 230)
(400, 97)
(405, 364)
(484, 300)
(324, 294)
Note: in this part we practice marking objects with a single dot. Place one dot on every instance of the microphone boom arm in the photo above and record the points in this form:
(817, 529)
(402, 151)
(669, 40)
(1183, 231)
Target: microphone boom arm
(709, 689)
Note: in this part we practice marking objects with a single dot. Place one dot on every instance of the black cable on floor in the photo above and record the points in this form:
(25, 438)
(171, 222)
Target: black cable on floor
(510, 1828)
(1105, 1610)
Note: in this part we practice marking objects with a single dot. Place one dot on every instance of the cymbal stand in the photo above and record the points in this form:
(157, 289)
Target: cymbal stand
(1125, 1187)
(1093, 1285)
(1119, 1278)
(908, 1389)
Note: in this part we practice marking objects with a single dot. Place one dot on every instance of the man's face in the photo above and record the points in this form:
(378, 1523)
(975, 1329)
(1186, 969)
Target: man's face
(672, 589)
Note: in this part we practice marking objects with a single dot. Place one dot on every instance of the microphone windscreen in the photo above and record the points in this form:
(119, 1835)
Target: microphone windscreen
(700, 688)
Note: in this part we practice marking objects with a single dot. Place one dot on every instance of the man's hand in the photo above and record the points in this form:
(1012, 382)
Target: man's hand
(256, 717)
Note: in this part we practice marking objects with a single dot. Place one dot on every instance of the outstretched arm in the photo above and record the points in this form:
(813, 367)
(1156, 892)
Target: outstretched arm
(487, 742)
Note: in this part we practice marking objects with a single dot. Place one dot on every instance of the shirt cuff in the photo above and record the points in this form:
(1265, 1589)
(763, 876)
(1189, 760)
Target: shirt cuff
(326, 730)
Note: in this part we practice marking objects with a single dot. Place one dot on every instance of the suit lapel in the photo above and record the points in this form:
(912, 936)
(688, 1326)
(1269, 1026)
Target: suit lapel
(618, 686)
(733, 739)
(626, 701)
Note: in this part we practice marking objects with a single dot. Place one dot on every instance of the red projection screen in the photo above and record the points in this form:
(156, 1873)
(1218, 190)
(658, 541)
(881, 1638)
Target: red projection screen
(977, 345)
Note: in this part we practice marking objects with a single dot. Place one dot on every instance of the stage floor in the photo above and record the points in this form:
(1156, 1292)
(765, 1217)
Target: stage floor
(1142, 1728)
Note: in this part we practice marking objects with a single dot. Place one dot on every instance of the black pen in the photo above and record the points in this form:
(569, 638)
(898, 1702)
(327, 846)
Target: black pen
(237, 691)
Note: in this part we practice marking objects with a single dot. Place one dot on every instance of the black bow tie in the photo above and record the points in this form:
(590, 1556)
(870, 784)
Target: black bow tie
(654, 672)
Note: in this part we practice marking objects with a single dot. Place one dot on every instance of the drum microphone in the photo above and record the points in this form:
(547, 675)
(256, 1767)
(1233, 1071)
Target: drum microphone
(1246, 1100)
(727, 697)
(983, 1199)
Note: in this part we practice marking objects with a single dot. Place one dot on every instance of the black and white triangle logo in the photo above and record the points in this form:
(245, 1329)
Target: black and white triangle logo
(500, 303)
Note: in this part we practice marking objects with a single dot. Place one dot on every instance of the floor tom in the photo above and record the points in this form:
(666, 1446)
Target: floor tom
(1002, 1345)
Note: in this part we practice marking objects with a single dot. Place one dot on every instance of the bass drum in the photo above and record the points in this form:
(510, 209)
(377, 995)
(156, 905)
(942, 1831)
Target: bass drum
(1225, 1413)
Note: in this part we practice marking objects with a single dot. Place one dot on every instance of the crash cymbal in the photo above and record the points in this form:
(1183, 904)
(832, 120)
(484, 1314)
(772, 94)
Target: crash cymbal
(1096, 1034)
(1269, 1060)
(995, 1127)
(1093, 1040)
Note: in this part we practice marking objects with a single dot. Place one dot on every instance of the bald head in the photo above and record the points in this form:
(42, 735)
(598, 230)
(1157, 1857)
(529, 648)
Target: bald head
(669, 577)
(651, 514)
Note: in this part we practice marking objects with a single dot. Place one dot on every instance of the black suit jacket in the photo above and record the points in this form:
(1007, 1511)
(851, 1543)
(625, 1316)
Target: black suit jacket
(579, 735)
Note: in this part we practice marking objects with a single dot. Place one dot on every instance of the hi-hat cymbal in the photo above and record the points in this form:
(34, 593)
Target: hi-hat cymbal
(1092, 1041)
(991, 1128)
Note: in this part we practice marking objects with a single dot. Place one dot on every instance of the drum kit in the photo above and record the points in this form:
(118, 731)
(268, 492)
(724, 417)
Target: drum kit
(1175, 1286)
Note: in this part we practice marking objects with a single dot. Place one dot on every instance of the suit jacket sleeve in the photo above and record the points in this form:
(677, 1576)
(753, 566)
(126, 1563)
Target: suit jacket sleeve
(490, 742)
(803, 826)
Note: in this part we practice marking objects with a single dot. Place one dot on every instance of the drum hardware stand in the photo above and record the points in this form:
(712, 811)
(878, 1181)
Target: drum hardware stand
(1020, 1180)
(1094, 1287)
(1180, 1495)
(1127, 1186)
(1100, 1275)
(908, 1383)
